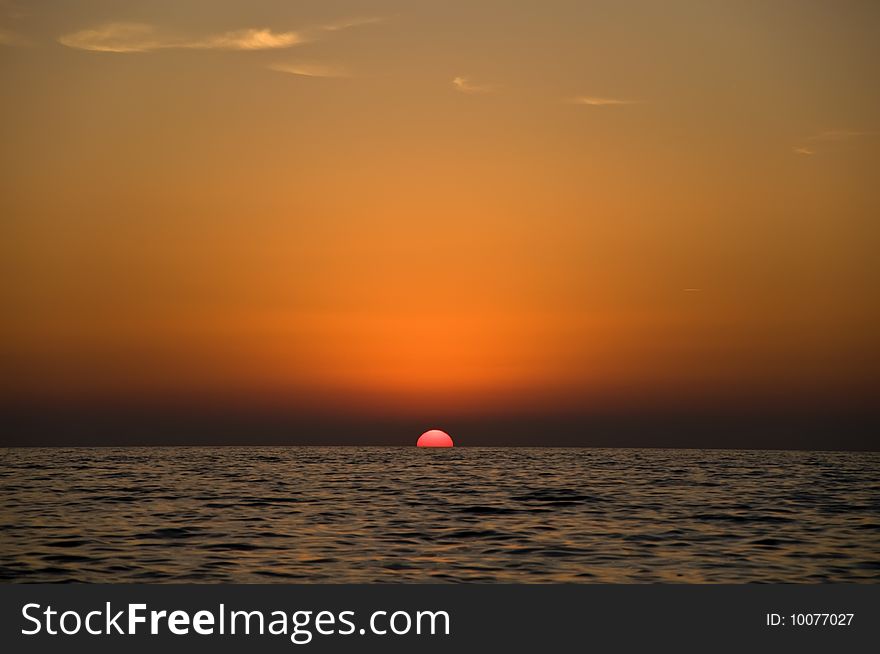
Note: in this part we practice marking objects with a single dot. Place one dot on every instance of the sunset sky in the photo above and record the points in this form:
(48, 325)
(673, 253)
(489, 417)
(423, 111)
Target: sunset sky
(443, 210)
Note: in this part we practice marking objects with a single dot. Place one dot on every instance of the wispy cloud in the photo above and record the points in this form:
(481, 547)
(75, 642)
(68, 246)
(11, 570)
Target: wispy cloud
(348, 23)
(840, 135)
(248, 39)
(465, 85)
(593, 101)
(141, 37)
(826, 138)
(309, 69)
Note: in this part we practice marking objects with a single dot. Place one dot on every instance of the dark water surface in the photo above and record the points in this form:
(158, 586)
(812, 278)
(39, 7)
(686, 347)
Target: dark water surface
(309, 514)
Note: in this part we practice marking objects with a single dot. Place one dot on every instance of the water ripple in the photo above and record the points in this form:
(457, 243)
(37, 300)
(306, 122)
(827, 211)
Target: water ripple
(275, 514)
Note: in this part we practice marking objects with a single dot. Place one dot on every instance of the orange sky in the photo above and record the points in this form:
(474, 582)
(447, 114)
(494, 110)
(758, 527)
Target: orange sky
(441, 207)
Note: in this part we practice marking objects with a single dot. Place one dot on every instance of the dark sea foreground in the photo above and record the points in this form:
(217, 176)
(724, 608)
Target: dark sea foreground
(371, 514)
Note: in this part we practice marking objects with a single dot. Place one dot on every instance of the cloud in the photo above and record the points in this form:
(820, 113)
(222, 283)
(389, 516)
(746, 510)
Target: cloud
(830, 136)
(141, 37)
(593, 101)
(352, 22)
(465, 85)
(249, 39)
(114, 37)
(840, 135)
(309, 70)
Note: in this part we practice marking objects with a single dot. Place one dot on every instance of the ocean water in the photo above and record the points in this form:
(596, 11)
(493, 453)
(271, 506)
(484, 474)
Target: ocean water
(373, 514)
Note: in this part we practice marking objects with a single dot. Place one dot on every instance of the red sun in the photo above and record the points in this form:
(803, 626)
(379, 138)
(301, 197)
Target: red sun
(434, 438)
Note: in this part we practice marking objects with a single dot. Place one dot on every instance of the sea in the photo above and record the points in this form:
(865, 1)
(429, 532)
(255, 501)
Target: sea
(473, 515)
